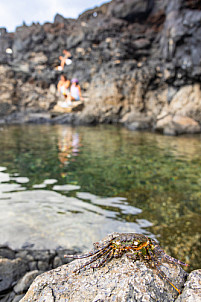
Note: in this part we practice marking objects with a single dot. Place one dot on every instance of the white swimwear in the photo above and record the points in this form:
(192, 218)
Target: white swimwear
(75, 92)
(68, 61)
(64, 90)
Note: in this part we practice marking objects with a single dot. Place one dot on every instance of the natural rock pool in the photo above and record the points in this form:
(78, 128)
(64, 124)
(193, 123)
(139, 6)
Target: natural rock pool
(69, 187)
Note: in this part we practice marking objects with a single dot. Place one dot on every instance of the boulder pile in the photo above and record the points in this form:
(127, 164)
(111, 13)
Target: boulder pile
(18, 269)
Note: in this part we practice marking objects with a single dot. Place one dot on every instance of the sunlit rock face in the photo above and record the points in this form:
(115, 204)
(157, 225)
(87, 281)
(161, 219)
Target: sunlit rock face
(120, 279)
(134, 57)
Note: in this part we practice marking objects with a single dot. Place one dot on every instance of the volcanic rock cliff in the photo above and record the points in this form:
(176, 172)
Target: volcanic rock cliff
(138, 62)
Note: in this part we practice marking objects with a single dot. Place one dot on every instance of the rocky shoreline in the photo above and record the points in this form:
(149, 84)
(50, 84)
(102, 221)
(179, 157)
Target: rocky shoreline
(138, 62)
(30, 275)
(18, 269)
(118, 280)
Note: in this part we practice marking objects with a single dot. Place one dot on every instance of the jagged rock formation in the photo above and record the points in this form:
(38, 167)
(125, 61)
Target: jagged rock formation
(139, 63)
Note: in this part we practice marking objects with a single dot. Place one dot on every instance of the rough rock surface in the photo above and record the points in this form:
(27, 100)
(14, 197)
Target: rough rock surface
(119, 280)
(18, 269)
(174, 125)
(10, 271)
(192, 290)
(132, 57)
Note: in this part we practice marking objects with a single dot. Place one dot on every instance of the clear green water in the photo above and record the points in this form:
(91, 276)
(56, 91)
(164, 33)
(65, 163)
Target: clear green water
(122, 181)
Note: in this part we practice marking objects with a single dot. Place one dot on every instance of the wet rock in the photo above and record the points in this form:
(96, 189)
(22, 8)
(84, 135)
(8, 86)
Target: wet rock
(175, 125)
(8, 298)
(63, 119)
(10, 272)
(136, 121)
(43, 266)
(17, 298)
(41, 255)
(6, 252)
(165, 123)
(185, 125)
(33, 265)
(24, 283)
(19, 268)
(57, 262)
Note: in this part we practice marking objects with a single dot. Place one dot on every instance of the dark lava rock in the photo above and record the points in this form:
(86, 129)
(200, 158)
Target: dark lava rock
(129, 56)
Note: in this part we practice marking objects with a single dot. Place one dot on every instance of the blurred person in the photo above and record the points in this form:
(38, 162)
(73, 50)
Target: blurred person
(63, 86)
(66, 59)
(75, 91)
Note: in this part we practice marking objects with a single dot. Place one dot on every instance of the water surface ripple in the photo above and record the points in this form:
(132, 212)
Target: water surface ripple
(68, 187)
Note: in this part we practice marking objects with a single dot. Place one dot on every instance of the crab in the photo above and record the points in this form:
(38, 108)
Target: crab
(135, 246)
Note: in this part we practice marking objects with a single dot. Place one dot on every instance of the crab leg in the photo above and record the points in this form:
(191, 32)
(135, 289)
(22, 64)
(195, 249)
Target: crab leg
(161, 273)
(164, 255)
(107, 257)
(88, 254)
(173, 260)
(93, 258)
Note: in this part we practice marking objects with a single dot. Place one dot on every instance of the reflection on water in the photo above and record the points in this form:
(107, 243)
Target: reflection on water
(68, 144)
(47, 219)
(69, 187)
